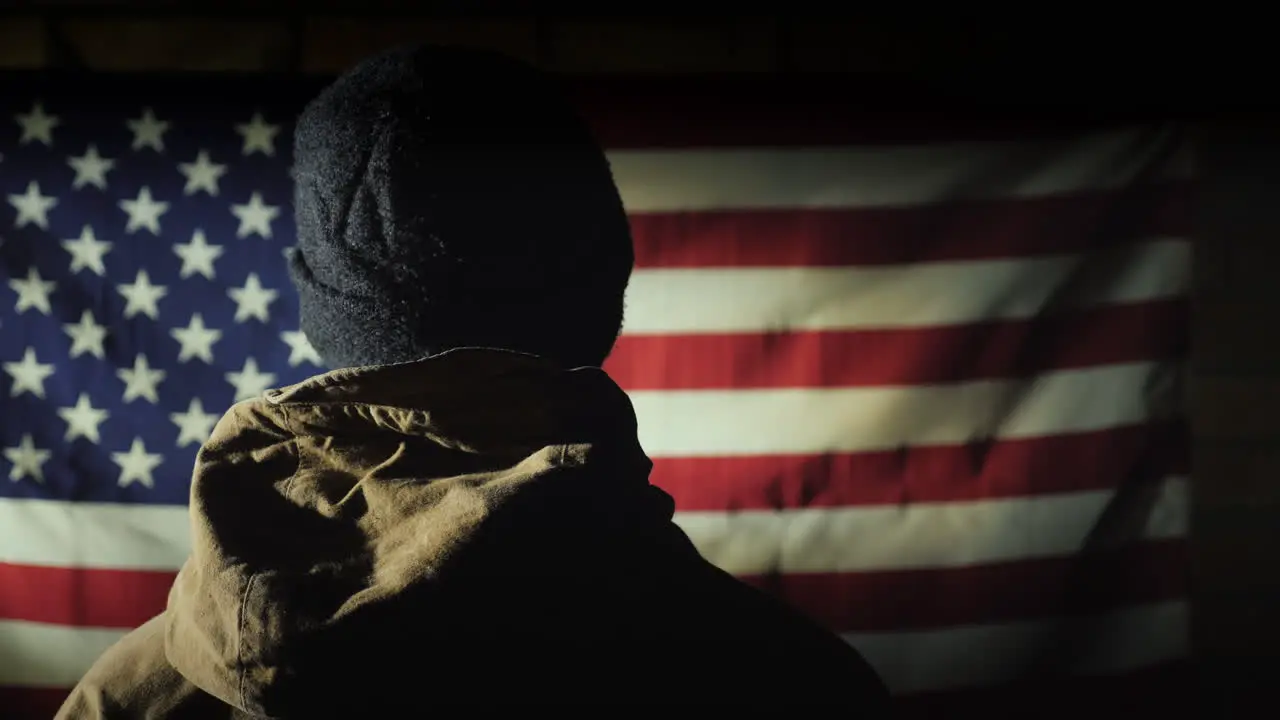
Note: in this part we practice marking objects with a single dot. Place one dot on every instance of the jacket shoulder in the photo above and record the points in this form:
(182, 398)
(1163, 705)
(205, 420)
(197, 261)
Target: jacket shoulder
(132, 679)
(248, 423)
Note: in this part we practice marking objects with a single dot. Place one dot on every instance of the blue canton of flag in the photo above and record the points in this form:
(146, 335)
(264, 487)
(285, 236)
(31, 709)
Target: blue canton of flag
(144, 290)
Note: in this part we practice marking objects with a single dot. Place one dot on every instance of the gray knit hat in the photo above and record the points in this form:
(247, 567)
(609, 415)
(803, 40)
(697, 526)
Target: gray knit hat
(446, 198)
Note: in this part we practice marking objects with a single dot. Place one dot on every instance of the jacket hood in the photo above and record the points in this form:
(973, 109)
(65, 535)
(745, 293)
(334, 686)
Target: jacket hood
(364, 499)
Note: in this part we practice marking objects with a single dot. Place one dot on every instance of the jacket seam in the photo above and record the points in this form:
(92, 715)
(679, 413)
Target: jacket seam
(243, 680)
(240, 630)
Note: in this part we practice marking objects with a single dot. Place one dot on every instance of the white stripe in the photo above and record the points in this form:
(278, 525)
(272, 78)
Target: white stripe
(37, 655)
(711, 423)
(743, 300)
(54, 656)
(695, 423)
(921, 536)
(857, 177)
(985, 655)
(99, 535)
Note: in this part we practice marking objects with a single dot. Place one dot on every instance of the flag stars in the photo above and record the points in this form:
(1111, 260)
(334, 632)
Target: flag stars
(33, 292)
(141, 296)
(27, 460)
(300, 349)
(195, 425)
(197, 256)
(148, 131)
(28, 374)
(137, 464)
(87, 336)
(83, 420)
(87, 252)
(144, 212)
(91, 169)
(259, 136)
(33, 208)
(141, 380)
(37, 125)
(252, 300)
(255, 216)
(196, 339)
(203, 174)
(250, 382)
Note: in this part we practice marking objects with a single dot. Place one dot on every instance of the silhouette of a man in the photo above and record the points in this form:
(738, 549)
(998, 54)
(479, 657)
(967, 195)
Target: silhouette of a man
(459, 513)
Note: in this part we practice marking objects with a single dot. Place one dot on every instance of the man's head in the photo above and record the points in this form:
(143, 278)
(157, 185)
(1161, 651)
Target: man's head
(453, 198)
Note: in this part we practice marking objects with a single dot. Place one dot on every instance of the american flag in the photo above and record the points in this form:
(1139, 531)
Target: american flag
(920, 377)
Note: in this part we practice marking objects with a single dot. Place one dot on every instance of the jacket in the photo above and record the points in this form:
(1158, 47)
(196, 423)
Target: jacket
(473, 529)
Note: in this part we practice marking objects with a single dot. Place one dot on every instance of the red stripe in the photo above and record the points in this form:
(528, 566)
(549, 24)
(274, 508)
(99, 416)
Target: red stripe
(746, 111)
(865, 358)
(82, 597)
(125, 599)
(703, 110)
(844, 602)
(928, 233)
(23, 703)
(1004, 469)
(1006, 592)
(1167, 691)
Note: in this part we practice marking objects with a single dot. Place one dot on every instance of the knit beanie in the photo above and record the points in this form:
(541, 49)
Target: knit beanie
(448, 197)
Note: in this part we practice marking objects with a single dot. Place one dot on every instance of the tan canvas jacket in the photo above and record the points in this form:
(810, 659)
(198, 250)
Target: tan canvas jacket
(471, 529)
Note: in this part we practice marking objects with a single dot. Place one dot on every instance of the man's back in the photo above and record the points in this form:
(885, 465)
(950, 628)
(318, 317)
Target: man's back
(476, 528)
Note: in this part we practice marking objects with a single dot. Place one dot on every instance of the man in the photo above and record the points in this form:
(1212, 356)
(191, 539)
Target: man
(460, 512)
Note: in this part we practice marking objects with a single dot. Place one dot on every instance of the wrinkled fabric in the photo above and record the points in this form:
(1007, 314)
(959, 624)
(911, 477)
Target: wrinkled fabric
(475, 528)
